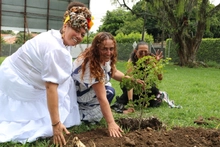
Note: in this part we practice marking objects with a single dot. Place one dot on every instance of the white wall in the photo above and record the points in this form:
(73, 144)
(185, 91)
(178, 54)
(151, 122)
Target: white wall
(76, 50)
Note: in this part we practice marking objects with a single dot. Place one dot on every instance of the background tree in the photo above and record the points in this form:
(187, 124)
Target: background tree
(122, 21)
(132, 24)
(213, 31)
(150, 20)
(176, 16)
(20, 37)
(2, 40)
(88, 38)
(113, 21)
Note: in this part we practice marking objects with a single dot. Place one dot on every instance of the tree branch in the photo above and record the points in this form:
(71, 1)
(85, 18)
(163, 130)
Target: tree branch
(170, 14)
(126, 6)
(213, 11)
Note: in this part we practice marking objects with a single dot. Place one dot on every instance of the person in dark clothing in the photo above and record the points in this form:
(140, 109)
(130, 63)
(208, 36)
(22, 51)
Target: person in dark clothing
(140, 51)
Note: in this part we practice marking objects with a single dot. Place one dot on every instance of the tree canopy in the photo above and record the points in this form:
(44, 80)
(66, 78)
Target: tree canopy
(186, 21)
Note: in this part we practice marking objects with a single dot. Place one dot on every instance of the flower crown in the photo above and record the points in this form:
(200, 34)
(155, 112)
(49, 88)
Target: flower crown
(78, 17)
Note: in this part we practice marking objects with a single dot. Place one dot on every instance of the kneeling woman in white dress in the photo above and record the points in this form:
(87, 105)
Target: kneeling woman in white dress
(37, 93)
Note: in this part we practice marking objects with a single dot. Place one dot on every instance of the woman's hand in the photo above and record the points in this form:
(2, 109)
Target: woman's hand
(58, 135)
(52, 102)
(159, 55)
(114, 130)
(160, 77)
(100, 92)
(139, 81)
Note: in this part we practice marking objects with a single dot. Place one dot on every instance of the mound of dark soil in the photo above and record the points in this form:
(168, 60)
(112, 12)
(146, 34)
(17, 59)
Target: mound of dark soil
(151, 134)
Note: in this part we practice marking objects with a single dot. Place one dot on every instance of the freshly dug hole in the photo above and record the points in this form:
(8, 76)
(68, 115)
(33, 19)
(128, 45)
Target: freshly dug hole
(133, 123)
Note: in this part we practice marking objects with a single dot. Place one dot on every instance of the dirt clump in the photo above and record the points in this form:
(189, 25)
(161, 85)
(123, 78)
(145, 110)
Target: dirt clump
(151, 134)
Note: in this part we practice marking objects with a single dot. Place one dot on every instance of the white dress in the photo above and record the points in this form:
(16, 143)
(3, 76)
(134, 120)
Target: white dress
(24, 115)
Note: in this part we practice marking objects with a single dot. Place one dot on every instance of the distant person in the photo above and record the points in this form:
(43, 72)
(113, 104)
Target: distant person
(37, 93)
(140, 51)
(93, 70)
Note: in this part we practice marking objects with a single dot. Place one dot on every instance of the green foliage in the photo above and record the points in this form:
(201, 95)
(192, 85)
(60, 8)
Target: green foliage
(213, 27)
(209, 50)
(213, 64)
(7, 32)
(180, 7)
(194, 89)
(186, 21)
(20, 37)
(143, 10)
(146, 69)
(2, 59)
(131, 25)
(88, 38)
(113, 21)
(185, 17)
(2, 41)
(87, 126)
(132, 37)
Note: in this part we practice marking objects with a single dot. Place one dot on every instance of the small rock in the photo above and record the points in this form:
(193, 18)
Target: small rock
(77, 143)
(129, 141)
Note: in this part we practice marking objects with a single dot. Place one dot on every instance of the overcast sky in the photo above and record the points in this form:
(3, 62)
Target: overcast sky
(100, 7)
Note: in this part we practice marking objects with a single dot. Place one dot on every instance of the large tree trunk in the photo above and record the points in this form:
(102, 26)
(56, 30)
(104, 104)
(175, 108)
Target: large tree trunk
(188, 45)
(187, 53)
(187, 48)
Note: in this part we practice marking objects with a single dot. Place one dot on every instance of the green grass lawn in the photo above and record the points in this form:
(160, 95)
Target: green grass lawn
(1, 59)
(197, 90)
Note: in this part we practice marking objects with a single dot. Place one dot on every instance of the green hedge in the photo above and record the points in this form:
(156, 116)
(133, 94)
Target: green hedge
(209, 50)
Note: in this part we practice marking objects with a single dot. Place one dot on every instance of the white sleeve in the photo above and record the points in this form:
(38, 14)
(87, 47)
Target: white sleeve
(57, 66)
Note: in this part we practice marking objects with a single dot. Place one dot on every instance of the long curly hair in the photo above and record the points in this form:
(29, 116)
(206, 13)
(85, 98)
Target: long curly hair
(91, 56)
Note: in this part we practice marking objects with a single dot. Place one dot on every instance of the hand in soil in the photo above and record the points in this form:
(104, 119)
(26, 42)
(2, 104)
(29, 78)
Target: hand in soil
(114, 130)
(153, 133)
(58, 135)
(129, 110)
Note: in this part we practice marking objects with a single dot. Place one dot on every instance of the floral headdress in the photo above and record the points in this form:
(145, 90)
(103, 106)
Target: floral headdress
(78, 17)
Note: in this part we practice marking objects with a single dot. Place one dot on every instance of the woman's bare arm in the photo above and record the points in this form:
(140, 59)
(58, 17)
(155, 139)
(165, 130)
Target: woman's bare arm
(113, 128)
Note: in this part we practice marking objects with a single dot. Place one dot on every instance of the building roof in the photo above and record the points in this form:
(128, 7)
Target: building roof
(34, 15)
